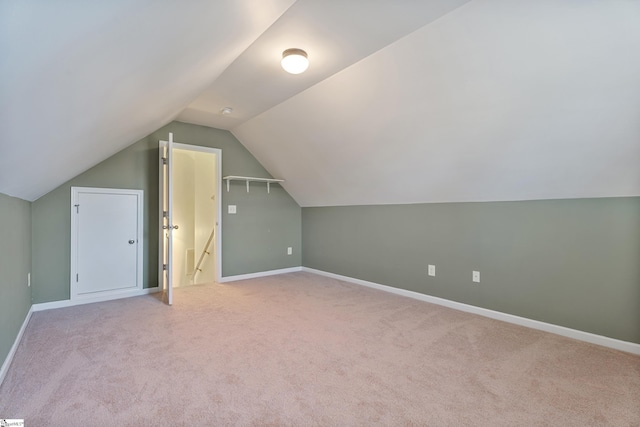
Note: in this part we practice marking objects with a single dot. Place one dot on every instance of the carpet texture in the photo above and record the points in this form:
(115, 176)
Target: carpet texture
(305, 350)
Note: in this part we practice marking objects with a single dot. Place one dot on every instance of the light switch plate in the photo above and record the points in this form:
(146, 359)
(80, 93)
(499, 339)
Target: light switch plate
(476, 276)
(232, 209)
(432, 270)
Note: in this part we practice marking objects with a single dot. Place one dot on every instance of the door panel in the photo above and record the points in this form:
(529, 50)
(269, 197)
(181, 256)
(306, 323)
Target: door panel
(107, 232)
(166, 215)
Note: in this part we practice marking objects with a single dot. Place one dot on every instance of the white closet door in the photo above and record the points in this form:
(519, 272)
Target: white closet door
(107, 241)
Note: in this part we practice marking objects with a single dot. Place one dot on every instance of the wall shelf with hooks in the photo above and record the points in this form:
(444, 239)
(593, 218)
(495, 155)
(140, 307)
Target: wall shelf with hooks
(249, 179)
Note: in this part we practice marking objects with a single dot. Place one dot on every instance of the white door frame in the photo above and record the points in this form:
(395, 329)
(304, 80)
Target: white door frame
(218, 201)
(109, 294)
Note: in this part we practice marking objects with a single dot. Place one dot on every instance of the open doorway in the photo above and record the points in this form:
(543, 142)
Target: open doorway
(194, 209)
(190, 181)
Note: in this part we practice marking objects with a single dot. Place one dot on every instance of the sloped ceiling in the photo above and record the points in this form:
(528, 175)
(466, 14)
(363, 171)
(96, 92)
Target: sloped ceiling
(497, 100)
(404, 101)
(81, 80)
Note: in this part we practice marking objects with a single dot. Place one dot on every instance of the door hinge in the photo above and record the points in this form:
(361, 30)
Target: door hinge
(164, 160)
(76, 277)
(165, 214)
(77, 208)
(164, 267)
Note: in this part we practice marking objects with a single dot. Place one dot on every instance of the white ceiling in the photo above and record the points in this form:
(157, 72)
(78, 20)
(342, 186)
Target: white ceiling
(82, 80)
(404, 101)
(498, 100)
(335, 34)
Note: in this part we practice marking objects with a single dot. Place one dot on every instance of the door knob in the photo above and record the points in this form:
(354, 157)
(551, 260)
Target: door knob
(175, 227)
(131, 242)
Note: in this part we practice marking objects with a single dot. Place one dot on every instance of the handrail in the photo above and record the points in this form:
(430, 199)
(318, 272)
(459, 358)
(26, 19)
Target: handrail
(202, 255)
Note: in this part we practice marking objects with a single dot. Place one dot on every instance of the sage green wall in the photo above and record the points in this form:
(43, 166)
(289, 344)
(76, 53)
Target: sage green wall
(15, 264)
(256, 237)
(253, 240)
(574, 263)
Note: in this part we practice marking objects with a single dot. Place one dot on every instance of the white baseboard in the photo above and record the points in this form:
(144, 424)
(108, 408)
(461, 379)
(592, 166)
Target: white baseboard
(7, 361)
(90, 300)
(522, 321)
(259, 274)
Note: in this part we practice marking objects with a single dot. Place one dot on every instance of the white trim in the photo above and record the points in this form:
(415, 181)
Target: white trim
(7, 361)
(510, 318)
(259, 274)
(75, 193)
(98, 298)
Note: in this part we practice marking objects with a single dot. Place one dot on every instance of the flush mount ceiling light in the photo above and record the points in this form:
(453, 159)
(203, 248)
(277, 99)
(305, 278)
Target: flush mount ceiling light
(226, 111)
(294, 61)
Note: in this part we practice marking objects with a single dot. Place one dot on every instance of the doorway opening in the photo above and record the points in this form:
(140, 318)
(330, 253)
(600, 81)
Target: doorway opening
(190, 192)
(194, 210)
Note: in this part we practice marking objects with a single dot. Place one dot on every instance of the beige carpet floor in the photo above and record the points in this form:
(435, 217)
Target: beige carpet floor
(304, 350)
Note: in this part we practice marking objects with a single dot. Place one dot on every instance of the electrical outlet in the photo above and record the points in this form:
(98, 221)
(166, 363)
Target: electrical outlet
(476, 276)
(432, 270)
(29, 279)
(232, 209)
(289, 250)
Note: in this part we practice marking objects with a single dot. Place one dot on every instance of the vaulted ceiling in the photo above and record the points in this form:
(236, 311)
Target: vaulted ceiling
(404, 101)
